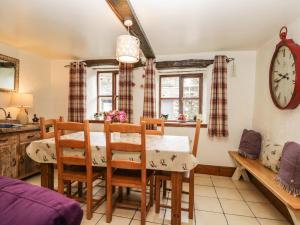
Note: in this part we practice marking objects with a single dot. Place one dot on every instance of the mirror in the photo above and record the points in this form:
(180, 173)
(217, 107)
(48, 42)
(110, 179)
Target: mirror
(9, 73)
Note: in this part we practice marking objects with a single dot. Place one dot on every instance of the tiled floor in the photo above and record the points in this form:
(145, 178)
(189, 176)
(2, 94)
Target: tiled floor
(218, 201)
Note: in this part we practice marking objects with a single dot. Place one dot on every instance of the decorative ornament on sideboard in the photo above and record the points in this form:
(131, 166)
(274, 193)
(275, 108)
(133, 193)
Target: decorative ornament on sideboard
(284, 74)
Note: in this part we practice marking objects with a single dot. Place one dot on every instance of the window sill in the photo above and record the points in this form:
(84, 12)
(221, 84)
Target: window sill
(182, 124)
(167, 123)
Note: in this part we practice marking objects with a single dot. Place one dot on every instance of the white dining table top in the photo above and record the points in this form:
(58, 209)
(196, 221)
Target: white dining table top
(163, 152)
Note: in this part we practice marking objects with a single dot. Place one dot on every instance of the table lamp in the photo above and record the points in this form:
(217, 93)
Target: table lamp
(22, 101)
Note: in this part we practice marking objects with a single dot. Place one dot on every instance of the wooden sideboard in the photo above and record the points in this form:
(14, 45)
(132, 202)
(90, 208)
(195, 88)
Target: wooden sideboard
(14, 162)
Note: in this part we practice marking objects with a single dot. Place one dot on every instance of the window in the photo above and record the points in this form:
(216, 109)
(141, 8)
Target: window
(181, 94)
(107, 91)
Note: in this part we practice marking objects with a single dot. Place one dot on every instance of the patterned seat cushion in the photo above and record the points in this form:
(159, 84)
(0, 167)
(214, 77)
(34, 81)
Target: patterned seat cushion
(271, 155)
(250, 144)
(289, 172)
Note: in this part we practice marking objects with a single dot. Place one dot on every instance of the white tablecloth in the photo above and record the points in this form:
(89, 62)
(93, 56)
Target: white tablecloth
(170, 153)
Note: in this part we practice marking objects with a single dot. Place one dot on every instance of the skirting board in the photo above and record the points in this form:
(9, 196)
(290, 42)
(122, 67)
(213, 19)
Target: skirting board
(215, 170)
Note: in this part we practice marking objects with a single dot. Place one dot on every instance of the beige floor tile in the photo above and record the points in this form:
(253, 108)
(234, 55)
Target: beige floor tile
(115, 221)
(205, 180)
(265, 210)
(210, 218)
(101, 208)
(244, 185)
(272, 222)
(207, 204)
(152, 216)
(205, 191)
(223, 182)
(241, 220)
(228, 193)
(138, 222)
(253, 196)
(184, 218)
(128, 213)
(236, 207)
(93, 221)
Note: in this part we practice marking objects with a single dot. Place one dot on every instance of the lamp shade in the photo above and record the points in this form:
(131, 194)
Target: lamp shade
(128, 49)
(21, 100)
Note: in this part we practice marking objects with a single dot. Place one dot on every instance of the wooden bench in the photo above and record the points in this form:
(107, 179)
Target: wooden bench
(267, 178)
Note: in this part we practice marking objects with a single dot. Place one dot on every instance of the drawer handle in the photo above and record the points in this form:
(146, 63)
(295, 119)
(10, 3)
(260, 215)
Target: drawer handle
(4, 140)
(30, 136)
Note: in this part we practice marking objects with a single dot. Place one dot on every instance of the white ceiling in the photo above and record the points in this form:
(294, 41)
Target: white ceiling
(64, 29)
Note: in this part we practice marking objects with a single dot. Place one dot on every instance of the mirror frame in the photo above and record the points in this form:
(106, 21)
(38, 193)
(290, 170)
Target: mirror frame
(16, 80)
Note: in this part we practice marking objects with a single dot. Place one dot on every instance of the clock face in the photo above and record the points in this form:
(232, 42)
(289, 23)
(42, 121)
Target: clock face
(283, 76)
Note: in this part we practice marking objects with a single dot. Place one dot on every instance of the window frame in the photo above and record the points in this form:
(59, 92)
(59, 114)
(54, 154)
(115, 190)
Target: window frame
(114, 95)
(180, 97)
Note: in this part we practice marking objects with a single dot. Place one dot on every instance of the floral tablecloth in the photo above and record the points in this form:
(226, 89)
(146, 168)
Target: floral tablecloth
(170, 153)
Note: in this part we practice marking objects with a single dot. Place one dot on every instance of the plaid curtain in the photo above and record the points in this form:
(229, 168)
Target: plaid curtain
(125, 84)
(149, 90)
(218, 103)
(77, 92)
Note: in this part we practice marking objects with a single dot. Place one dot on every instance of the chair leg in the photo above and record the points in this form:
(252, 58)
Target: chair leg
(120, 197)
(164, 188)
(109, 190)
(191, 198)
(89, 200)
(128, 191)
(151, 190)
(80, 188)
(61, 186)
(69, 188)
(157, 194)
(143, 206)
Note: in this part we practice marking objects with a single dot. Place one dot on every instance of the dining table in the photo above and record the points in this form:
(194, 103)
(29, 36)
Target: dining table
(163, 153)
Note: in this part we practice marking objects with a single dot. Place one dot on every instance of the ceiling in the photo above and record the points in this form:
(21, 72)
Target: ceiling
(78, 29)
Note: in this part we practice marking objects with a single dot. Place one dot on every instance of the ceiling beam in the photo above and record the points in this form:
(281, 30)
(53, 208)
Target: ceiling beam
(107, 62)
(181, 64)
(123, 10)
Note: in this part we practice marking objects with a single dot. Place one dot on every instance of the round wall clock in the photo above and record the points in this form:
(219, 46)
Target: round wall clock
(284, 75)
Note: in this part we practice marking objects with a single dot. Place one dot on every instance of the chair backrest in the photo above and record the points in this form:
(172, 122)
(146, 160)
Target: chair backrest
(122, 146)
(196, 138)
(44, 124)
(152, 122)
(64, 144)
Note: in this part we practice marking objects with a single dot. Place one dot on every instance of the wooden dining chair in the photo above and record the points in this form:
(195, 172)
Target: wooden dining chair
(127, 173)
(44, 127)
(154, 123)
(187, 178)
(77, 168)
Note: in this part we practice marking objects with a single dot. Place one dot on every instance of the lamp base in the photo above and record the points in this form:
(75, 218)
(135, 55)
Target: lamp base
(22, 116)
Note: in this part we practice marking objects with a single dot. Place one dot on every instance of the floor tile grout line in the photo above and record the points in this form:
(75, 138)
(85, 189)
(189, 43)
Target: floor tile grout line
(220, 203)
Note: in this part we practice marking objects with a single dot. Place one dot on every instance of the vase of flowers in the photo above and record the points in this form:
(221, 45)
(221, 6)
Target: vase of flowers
(115, 116)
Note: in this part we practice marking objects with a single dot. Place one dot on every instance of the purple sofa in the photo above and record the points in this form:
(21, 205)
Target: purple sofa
(25, 204)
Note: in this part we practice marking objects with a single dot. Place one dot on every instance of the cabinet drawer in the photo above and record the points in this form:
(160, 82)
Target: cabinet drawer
(8, 140)
(29, 136)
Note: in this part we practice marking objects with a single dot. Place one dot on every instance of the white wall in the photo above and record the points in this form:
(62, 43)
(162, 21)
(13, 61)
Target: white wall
(214, 151)
(35, 78)
(279, 125)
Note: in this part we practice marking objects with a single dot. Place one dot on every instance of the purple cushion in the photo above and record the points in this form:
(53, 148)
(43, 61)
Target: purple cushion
(289, 172)
(23, 203)
(250, 144)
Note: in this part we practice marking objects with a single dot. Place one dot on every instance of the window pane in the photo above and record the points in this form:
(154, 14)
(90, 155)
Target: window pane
(105, 84)
(170, 108)
(190, 108)
(105, 104)
(170, 87)
(191, 87)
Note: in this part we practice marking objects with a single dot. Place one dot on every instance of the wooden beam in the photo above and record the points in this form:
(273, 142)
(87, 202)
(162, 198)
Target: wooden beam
(123, 10)
(108, 62)
(181, 64)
